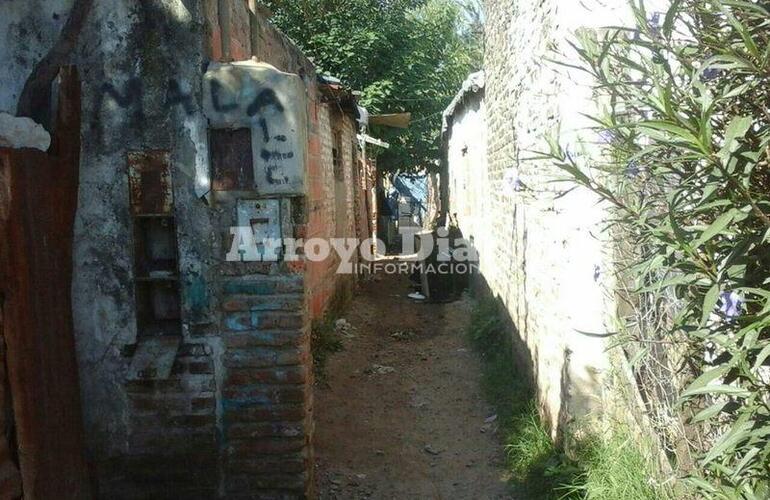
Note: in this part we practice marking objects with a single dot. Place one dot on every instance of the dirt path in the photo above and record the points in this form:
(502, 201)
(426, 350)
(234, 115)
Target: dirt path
(417, 431)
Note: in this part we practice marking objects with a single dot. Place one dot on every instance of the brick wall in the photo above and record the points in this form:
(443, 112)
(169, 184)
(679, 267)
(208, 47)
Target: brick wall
(331, 203)
(266, 391)
(266, 403)
(544, 256)
(172, 445)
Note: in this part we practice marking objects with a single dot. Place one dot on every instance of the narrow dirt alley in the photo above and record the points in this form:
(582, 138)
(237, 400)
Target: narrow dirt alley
(400, 414)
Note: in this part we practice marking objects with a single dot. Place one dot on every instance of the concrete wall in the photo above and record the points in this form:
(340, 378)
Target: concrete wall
(544, 256)
(233, 416)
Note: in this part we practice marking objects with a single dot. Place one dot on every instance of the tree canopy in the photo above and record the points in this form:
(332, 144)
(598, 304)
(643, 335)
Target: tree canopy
(403, 55)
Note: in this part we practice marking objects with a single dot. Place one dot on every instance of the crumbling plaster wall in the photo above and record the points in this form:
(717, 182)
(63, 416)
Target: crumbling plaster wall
(127, 105)
(28, 29)
(235, 415)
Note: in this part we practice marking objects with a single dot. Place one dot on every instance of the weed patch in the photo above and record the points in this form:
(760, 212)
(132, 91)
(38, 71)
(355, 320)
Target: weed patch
(603, 468)
(324, 342)
(534, 464)
(612, 468)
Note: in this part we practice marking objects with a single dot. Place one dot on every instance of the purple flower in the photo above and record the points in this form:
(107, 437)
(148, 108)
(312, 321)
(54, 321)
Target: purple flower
(709, 74)
(632, 170)
(731, 304)
(512, 181)
(606, 136)
(654, 20)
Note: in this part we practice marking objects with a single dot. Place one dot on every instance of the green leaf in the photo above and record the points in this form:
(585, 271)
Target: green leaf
(715, 227)
(747, 458)
(725, 390)
(735, 132)
(748, 42)
(739, 432)
(671, 15)
(674, 129)
(761, 357)
(683, 279)
(709, 413)
(697, 386)
(709, 302)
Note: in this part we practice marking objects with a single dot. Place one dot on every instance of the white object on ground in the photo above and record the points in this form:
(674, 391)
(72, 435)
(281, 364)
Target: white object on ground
(416, 296)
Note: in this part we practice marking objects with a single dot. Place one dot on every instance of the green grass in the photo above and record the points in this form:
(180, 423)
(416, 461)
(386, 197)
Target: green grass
(534, 464)
(324, 342)
(613, 467)
(608, 468)
(324, 339)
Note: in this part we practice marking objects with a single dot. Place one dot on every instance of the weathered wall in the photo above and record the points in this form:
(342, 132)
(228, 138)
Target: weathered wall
(232, 417)
(465, 139)
(28, 30)
(330, 205)
(543, 255)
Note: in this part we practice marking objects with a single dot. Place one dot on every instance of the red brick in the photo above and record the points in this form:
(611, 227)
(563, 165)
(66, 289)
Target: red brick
(249, 448)
(276, 394)
(265, 338)
(273, 413)
(288, 375)
(203, 404)
(269, 465)
(266, 430)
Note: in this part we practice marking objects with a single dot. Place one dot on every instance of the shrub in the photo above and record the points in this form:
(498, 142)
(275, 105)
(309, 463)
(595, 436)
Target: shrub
(685, 119)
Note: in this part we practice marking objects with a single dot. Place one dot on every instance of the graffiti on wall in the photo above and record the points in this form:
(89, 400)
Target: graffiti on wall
(272, 104)
(129, 96)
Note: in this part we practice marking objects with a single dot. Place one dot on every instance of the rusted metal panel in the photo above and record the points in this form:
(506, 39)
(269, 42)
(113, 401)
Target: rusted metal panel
(232, 160)
(10, 482)
(36, 270)
(149, 178)
(5, 187)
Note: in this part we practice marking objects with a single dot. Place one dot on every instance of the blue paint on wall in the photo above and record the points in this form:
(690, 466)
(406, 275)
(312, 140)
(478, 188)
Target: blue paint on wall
(250, 287)
(196, 298)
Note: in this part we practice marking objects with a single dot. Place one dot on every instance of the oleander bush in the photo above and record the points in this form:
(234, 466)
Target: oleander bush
(684, 125)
